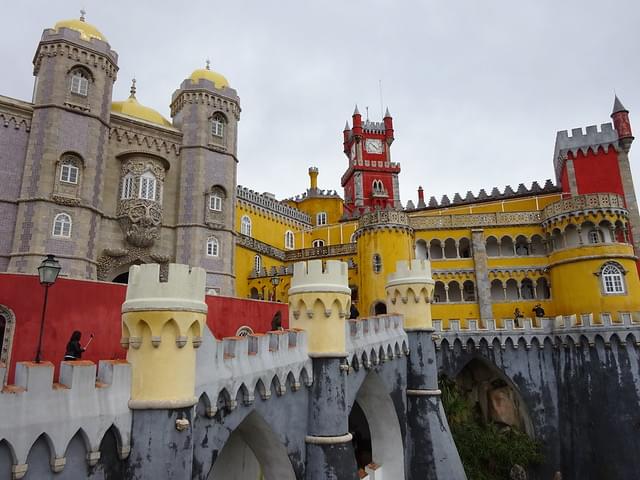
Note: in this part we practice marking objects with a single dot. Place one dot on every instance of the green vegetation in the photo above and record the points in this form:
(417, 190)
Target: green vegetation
(488, 451)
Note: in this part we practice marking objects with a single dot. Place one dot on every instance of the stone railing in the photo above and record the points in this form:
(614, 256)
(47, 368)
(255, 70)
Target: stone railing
(558, 329)
(475, 220)
(316, 252)
(383, 217)
(585, 203)
(375, 340)
(260, 247)
(238, 368)
(36, 405)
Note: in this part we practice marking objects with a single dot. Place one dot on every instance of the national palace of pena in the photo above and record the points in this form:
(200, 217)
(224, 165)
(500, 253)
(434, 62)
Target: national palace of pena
(328, 336)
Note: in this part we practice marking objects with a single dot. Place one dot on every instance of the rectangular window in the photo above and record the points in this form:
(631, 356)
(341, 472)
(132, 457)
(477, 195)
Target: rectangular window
(321, 218)
(69, 174)
(79, 85)
(215, 203)
(147, 188)
(127, 187)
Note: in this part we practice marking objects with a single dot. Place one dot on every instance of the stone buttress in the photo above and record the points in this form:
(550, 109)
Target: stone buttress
(319, 300)
(162, 324)
(430, 450)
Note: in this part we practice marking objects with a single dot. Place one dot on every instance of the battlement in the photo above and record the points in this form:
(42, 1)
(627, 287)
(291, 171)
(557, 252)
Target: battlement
(81, 401)
(496, 194)
(237, 369)
(373, 127)
(582, 140)
(577, 328)
(312, 277)
(271, 204)
(373, 340)
(184, 289)
(415, 271)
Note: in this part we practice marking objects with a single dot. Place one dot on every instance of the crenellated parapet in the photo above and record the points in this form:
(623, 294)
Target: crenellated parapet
(80, 402)
(376, 340)
(162, 325)
(561, 330)
(409, 292)
(319, 302)
(236, 370)
(580, 140)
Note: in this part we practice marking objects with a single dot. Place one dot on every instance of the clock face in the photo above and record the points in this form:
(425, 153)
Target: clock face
(373, 145)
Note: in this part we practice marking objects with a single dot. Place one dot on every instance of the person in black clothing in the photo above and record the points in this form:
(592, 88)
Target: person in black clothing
(538, 310)
(74, 349)
(353, 312)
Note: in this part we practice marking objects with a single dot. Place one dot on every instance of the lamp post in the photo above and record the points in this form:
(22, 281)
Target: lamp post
(48, 272)
(275, 281)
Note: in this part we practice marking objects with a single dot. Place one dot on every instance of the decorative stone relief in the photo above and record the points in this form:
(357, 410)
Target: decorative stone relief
(112, 259)
(140, 219)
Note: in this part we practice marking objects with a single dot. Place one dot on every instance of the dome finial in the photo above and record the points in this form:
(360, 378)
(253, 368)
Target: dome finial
(133, 88)
(208, 64)
(83, 12)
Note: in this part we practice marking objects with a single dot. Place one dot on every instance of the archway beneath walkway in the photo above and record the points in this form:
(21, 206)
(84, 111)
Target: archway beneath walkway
(252, 449)
(373, 413)
(494, 395)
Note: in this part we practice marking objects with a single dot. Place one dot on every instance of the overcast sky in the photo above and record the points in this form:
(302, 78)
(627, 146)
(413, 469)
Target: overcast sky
(477, 89)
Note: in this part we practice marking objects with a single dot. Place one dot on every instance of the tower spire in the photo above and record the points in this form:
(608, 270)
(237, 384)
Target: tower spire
(83, 12)
(207, 64)
(617, 105)
(132, 91)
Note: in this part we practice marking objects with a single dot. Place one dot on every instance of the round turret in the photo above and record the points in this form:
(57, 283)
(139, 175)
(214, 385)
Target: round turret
(87, 31)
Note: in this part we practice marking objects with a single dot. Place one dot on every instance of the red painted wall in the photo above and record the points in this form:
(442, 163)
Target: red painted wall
(94, 307)
(598, 172)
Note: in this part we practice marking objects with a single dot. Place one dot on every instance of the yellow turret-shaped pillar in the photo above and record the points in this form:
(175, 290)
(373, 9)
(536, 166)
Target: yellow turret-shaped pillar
(383, 237)
(319, 302)
(162, 324)
(409, 293)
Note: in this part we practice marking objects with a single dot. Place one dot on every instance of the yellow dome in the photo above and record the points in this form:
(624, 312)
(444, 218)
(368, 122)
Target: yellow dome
(132, 108)
(216, 78)
(87, 31)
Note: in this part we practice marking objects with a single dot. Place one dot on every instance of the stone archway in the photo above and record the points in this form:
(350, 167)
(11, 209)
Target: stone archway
(495, 395)
(385, 435)
(252, 449)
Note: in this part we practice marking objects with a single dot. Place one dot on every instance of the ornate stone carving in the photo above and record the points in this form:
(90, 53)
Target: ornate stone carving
(113, 259)
(474, 220)
(582, 204)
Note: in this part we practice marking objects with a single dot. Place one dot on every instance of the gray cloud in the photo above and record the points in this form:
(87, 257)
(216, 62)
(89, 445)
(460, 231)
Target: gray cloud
(477, 89)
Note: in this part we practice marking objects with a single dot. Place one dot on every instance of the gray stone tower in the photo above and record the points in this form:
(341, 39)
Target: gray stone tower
(207, 111)
(60, 201)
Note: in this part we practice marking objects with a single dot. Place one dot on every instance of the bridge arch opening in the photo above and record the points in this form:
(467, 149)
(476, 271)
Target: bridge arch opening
(494, 396)
(374, 424)
(252, 450)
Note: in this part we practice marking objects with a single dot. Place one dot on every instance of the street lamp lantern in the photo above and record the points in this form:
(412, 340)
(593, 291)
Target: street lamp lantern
(48, 272)
(275, 281)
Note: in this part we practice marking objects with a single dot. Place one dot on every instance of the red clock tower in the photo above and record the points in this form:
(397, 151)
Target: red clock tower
(371, 180)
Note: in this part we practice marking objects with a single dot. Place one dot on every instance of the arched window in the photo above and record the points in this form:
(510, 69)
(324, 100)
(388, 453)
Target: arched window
(69, 172)
(218, 123)
(257, 264)
(62, 225)
(377, 263)
(127, 187)
(245, 226)
(80, 83)
(215, 202)
(317, 243)
(378, 187)
(595, 236)
(147, 190)
(289, 240)
(213, 247)
(612, 279)
(321, 218)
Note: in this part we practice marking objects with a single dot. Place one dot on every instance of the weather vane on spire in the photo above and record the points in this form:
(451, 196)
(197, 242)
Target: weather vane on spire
(133, 88)
(83, 12)
(208, 63)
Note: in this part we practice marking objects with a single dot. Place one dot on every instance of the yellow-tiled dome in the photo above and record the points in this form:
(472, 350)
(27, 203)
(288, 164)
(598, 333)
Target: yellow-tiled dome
(132, 108)
(87, 31)
(216, 78)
